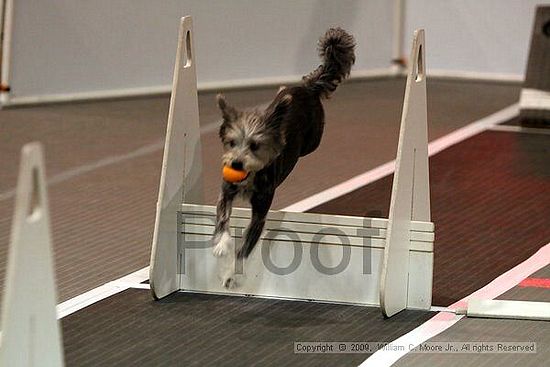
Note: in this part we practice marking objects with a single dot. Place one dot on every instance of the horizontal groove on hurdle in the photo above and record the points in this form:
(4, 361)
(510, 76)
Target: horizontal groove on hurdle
(202, 224)
(314, 218)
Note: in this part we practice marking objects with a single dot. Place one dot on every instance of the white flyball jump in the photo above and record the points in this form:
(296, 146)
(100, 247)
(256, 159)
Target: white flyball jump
(31, 334)
(301, 256)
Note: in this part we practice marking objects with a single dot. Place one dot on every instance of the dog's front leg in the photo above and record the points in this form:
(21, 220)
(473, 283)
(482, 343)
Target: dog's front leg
(222, 237)
(261, 202)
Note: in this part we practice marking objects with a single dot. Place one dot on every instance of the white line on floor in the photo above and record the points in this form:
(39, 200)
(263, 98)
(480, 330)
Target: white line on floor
(444, 320)
(106, 290)
(108, 161)
(116, 286)
(377, 173)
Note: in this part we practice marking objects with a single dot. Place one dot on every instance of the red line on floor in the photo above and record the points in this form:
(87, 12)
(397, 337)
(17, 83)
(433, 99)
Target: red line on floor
(535, 283)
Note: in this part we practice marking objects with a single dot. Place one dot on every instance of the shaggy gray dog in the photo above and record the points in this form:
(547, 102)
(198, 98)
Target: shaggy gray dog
(267, 144)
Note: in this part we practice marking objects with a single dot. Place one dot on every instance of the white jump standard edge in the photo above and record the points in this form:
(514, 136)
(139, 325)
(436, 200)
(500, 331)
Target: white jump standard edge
(31, 334)
(300, 256)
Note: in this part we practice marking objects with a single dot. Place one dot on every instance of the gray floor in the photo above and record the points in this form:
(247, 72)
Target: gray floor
(104, 182)
(494, 330)
(103, 162)
(130, 329)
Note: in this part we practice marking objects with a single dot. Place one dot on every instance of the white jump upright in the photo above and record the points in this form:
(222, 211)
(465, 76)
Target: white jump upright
(410, 199)
(30, 331)
(301, 256)
(181, 175)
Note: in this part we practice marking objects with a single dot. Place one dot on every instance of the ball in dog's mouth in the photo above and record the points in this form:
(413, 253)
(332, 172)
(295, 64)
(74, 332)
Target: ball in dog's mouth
(232, 175)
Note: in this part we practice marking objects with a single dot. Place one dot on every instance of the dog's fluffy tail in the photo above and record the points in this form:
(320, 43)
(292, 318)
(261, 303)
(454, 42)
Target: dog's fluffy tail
(337, 50)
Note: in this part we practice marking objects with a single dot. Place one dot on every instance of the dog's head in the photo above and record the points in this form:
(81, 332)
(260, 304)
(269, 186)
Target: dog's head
(252, 138)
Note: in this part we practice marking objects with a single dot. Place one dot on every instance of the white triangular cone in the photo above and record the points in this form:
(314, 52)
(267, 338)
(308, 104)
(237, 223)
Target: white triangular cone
(31, 334)
(410, 198)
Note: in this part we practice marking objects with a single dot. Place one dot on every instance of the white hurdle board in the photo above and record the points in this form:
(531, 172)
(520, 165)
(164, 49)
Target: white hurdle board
(31, 334)
(301, 256)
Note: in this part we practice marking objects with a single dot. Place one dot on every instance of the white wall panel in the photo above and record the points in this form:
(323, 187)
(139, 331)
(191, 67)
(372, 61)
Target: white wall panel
(78, 47)
(485, 38)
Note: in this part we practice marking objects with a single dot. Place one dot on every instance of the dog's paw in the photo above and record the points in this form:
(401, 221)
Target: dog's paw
(219, 250)
(223, 246)
(229, 282)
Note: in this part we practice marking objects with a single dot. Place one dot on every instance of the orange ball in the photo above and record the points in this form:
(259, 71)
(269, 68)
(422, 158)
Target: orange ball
(233, 175)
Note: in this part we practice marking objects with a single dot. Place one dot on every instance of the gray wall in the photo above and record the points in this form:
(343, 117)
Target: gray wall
(80, 46)
(77, 47)
(489, 37)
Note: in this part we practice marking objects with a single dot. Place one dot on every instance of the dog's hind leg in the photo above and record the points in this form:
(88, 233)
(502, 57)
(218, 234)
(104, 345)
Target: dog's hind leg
(222, 237)
(261, 202)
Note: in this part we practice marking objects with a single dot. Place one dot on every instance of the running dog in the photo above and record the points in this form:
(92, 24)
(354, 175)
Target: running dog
(267, 144)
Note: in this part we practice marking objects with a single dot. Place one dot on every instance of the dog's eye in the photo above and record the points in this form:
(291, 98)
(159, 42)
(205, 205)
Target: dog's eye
(231, 143)
(254, 146)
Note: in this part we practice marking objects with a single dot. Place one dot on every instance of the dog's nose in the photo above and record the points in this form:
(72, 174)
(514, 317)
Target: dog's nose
(238, 165)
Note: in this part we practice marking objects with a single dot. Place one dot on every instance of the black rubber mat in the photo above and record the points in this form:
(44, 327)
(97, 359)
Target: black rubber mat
(516, 121)
(493, 330)
(490, 198)
(130, 329)
(528, 123)
(468, 331)
(530, 293)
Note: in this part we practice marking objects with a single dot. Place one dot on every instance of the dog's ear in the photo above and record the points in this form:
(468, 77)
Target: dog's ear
(229, 113)
(277, 110)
